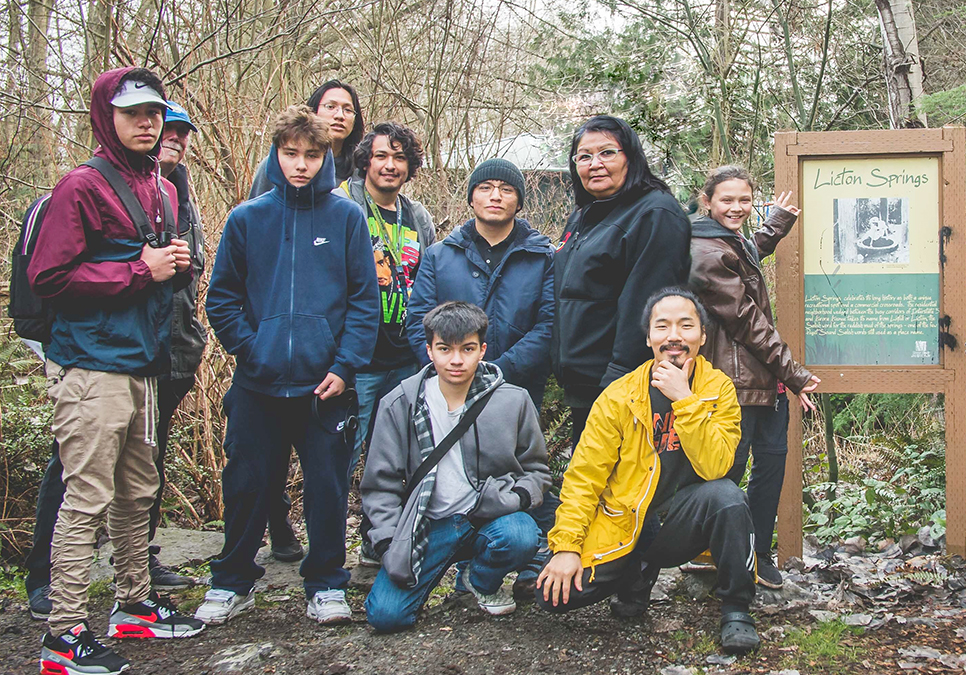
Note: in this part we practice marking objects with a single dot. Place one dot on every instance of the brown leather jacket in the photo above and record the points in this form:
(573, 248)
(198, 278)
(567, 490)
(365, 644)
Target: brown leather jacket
(742, 340)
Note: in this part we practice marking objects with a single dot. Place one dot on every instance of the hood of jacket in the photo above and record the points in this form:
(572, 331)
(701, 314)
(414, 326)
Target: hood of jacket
(488, 377)
(705, 227)
(322, 183)
(102, 124)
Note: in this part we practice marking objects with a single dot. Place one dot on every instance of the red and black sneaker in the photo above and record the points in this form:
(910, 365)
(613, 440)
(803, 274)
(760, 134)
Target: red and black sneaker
(152, 618)
(77, 652)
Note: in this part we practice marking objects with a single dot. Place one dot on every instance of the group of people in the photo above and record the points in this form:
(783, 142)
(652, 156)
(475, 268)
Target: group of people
(354, 330)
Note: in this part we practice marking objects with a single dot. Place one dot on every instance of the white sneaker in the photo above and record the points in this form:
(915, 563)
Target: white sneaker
(497, 604)
(220, 605)
(329, 607)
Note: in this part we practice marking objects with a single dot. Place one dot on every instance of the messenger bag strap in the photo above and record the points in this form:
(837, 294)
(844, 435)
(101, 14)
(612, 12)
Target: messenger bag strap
(448, 442)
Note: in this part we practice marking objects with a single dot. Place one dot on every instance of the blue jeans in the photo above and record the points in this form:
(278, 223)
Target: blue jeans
(493, 551)
(261, 430)
(370, 388)
(544, 516)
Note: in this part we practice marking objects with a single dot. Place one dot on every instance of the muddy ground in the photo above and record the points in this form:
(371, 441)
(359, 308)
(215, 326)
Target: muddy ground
(454, 638)
(924, 630)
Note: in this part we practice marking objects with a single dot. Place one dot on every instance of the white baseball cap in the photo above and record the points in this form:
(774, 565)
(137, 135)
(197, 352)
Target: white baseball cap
(135, 93)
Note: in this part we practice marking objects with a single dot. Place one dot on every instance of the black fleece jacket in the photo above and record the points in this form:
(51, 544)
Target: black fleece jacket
(614, 255)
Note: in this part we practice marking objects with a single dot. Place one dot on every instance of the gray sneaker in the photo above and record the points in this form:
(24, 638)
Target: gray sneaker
(329, 607)
(166, 579)
(220, 605)
(496, 604)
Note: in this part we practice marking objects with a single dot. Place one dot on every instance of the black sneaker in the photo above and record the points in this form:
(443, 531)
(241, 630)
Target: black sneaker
(368, 556)
(635, 601)
(165, 579)
(152, 618)
(287, 552)
(77, 652)
(769, 576)
(40, 604)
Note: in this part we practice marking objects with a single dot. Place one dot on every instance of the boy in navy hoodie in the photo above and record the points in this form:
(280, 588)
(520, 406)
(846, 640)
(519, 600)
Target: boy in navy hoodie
(293, 296)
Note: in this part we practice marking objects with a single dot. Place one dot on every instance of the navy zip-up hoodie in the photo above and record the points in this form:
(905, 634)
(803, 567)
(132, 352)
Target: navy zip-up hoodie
(293, 292)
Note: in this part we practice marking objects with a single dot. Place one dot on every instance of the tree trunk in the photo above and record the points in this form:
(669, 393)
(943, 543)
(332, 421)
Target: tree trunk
(14, 42)
(39, 145)
(721, 103)
(903, 69)
(98, 45)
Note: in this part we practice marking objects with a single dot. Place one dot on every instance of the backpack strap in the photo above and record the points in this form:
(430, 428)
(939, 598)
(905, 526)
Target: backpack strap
(28, 237)
(126, 195)
(170, 224)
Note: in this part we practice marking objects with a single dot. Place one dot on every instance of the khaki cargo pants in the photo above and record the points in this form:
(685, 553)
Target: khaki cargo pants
(106, 426)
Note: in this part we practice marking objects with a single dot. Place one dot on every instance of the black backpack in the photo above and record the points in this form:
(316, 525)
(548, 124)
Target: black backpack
(32, 315)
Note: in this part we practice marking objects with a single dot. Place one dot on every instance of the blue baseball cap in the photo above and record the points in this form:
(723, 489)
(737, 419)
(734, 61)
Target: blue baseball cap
(178, 114)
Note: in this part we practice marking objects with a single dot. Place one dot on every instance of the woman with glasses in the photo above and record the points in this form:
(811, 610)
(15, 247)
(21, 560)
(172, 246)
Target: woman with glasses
(338, 104)
(626, 239)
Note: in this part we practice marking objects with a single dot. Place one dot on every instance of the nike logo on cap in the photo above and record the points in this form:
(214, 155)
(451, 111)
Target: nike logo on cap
(319, 241)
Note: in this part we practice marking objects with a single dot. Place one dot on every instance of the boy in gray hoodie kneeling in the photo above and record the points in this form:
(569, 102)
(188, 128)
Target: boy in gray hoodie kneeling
(469, 505)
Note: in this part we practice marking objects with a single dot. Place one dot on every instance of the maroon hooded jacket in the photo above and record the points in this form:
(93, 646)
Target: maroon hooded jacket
(110, 315)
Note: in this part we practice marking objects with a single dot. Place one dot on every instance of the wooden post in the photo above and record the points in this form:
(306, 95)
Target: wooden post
(954, 306)
(791, 326)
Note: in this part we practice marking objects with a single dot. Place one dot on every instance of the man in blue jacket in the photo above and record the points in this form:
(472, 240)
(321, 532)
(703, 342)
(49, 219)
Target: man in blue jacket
(293, 296)
(498, 262)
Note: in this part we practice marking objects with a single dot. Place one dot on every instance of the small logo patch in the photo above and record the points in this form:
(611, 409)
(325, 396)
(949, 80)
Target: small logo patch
(319, 241)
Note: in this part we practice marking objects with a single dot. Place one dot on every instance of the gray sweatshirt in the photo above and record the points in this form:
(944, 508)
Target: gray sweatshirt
(503, 450)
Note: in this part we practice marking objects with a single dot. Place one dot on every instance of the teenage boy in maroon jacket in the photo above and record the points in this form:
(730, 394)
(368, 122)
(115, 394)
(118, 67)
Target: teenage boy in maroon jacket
(111, 293)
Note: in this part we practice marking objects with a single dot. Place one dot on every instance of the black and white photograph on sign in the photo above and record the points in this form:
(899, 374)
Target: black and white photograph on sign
(871, 230)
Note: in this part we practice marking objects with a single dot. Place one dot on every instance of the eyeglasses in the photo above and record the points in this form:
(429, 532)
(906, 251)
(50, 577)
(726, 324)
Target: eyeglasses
(347, 110)
(605, 155)
(505, 189)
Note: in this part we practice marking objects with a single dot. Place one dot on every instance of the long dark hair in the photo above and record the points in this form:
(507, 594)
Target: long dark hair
(352, 140)
(639, 177)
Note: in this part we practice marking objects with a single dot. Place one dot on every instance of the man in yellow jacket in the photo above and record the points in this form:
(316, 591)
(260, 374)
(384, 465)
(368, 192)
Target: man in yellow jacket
(646, 487)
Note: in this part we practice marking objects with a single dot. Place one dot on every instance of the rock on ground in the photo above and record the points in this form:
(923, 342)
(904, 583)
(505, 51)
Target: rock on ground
(241, 658)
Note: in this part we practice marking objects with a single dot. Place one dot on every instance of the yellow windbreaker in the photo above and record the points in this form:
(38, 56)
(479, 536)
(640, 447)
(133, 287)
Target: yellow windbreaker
(615, 469)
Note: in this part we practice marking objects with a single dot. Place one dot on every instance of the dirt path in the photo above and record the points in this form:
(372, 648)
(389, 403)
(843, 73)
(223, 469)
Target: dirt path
(451, 638)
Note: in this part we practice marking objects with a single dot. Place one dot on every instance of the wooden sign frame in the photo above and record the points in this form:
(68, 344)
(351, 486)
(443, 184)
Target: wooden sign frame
(948, 145)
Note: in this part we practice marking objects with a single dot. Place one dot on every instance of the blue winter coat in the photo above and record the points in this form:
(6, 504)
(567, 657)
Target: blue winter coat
(517, 298)
(293, 292)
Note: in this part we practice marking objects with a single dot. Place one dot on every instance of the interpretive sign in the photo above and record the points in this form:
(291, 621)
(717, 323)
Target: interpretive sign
(871, 286)
(871, 261)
